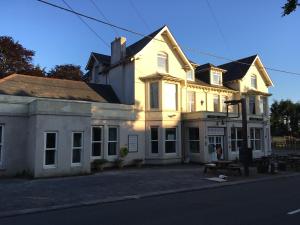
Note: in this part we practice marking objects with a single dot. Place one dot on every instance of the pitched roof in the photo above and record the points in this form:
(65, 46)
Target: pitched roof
(105, 59)
(237, 69)
(41, 87)
(202, 83)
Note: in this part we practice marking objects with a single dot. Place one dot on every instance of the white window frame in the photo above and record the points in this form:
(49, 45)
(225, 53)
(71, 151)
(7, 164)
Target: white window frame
(154, 140)
(253, 81)
(95, 142)
(166, 140)
(162, 56)
(190, 75)
(77, 148)
(254, 139)
(235, 139)
(224, 105)
(50, 149)
(1, 145)
(215, 74)
(262, 105)
(216, 97)
(191, 104)
(194, 140)
(150, 91)
(113, 141)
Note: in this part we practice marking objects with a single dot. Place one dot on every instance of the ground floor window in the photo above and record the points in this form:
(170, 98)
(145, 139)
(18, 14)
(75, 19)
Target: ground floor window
(170, 140)
(97, 141)
(236, 139)
(1, 143)
(256, 138)
(194, 143)
(112, 141)
(77, 147)
(50, 149)
(154, 140)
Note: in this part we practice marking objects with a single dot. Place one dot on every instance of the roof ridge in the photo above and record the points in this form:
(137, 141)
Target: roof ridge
(239, 60)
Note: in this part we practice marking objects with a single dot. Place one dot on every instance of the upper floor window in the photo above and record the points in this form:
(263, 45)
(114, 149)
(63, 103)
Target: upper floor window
(253, 81)
(224, 105)
(170, 96)
(262, 105)
(189, 75)
(154, 92)
(216, 103)
(191, 101)
(162, 62)
(216, 78)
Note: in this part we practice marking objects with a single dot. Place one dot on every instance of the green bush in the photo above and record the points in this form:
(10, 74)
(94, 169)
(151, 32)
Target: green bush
(98, 164)
(123, 152)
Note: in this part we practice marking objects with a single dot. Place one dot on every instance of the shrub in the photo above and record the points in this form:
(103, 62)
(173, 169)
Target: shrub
(123, 152)
(98, 164)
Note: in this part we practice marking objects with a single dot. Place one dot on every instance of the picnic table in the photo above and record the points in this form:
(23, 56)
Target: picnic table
(222, 165)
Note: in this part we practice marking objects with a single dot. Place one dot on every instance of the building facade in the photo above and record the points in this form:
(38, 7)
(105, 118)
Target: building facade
(148, 97)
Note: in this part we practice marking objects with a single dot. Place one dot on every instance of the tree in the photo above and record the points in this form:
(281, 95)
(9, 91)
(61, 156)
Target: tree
(290, 7)
(66, 71)
(36, 71)
(14, 58)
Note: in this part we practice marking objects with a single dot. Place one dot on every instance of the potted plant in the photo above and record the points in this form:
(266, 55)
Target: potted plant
(123, 153)
(98, 164)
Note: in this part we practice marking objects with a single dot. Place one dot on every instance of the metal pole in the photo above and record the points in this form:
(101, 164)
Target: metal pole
(245, 150)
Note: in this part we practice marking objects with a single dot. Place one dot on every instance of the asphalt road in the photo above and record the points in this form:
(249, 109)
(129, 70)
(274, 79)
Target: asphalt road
(266, 203)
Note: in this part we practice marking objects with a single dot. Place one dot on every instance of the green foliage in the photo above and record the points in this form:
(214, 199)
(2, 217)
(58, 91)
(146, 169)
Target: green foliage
(289, 7)
(123, 152)
(98, 164)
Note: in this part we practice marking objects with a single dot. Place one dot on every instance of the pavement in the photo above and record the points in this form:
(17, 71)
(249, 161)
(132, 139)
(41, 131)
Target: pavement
(22, 196)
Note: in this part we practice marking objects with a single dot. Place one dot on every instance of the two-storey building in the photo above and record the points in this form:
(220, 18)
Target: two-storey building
(148, 97)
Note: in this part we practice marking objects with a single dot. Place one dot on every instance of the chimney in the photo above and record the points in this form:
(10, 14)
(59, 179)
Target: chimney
(118, 50)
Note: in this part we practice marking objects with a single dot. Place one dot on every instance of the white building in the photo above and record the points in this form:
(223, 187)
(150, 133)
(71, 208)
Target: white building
(147, 97)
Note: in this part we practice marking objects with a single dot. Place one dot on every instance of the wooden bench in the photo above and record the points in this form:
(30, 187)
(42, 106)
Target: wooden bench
(234, 168)
(210, 166)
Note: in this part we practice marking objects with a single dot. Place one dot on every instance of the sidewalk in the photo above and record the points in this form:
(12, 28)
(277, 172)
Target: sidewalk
(18, 196)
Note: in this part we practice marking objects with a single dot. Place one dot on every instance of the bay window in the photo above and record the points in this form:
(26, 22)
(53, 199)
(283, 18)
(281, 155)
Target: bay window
(191, 101)
(154, 93)
(170, 96)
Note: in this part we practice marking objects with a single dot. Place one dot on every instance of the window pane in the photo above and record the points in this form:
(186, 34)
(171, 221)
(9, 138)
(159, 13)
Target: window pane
(233, 148)
(76, 156)
(170, 146)
(189, 75)
(50, 157)
(170, 133)
(154, 95)
(154, 147)
(77, 139)
(252, 133)
(239, 145)
(51, 140)
(232, 133)
(194, 147)
(112, 148)
(112, 134)
(96, 149)
(1, 134)
(252, 104)
(252, 144)
(170, 96)
(162, 62)
(193, 133)
(191, 101)
(216, 103)
(257, 145)
(97, 134)
(257, 133)
(154, 133)
(239, 133)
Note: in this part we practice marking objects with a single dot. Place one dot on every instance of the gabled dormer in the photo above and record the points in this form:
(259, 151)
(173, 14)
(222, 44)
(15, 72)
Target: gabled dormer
(210, 74)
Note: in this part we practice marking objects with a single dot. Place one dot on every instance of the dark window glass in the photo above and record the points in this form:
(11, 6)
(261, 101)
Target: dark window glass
(112, 134)
(77, 140)
(112, 148)
(239, 133)
(1, 134)
(154, 147)
(96, 149)
(154, 95)
(194, 147)
(154, 133)
(50, 157)
(76, 156)
(170, 134)
(193, 133)
(97, 136)
(170, 146)
(51, 140)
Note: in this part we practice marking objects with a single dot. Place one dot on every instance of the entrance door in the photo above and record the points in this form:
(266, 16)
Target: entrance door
(215, 142)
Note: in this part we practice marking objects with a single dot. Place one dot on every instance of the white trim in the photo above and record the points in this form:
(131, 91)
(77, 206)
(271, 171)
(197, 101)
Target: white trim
(50, 166)
(77, 148)
(101, 142)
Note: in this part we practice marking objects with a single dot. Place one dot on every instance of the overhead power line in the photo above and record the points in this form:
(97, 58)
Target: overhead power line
(103, 15)
(147, 36)
(139, 15)
(86, 24)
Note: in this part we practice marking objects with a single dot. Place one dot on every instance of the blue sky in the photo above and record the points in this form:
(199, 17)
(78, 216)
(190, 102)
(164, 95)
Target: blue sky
(246, 28)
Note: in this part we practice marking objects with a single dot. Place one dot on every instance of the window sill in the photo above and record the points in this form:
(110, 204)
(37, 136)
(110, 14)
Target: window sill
(76, 165)
(49, 167)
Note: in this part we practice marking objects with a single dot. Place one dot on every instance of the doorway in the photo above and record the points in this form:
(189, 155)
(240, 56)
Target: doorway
(213, 143)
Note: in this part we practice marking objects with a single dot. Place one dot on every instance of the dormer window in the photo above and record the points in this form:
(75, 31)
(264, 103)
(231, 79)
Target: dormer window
(190, 75)
(216, 78)
(162, 62)
(253, 81)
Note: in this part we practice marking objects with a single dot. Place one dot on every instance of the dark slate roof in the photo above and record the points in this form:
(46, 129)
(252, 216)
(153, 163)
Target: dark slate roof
(106, 91)
(105, 59)
(139, 45)
(236, 70)
(41, 87)
(202, 83)
(204, 66)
